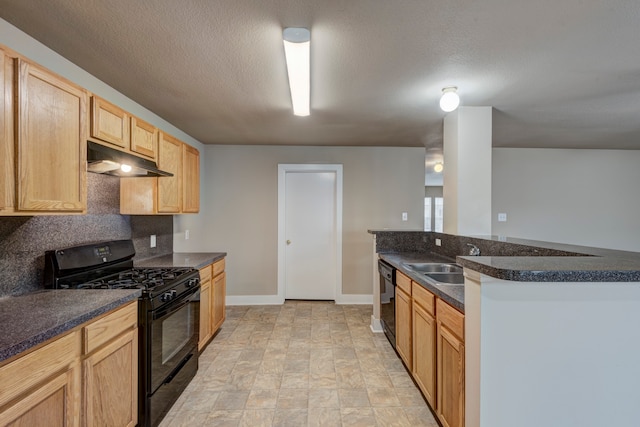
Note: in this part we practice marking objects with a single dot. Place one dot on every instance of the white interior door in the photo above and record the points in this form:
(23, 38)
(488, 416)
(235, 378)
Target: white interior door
(310, 231)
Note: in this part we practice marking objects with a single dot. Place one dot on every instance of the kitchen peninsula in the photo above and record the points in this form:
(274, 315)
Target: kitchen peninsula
(550, 330)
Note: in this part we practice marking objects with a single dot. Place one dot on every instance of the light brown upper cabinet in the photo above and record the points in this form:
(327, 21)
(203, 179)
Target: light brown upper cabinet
(165, 195)
(7, 168)
(144, 138)
(191, 180)
(51, 142)
(170, 187)
(120, 130)
(109, 123)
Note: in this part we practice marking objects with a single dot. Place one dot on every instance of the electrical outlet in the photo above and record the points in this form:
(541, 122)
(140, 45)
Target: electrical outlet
(404, 216)
(502, 217)
(186, 234)
(438, 242)
(152, 243)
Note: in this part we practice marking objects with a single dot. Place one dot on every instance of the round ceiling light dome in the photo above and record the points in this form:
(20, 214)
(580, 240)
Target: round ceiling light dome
(450, 99)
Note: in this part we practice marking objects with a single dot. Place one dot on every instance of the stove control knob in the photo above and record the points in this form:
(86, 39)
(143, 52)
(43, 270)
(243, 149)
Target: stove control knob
(167, 296)
(192, 282)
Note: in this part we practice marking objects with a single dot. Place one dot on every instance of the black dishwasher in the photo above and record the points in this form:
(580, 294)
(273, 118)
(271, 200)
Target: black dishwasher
(388, 300)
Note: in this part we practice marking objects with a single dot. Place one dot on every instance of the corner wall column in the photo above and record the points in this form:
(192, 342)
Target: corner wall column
(467, 171)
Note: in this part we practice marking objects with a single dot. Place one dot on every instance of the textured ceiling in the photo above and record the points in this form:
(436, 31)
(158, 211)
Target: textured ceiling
(558, 73)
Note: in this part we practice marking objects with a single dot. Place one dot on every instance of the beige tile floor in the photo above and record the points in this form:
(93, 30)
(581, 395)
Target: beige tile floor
(300, 364)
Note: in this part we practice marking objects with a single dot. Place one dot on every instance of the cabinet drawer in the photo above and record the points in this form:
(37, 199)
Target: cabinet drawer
(110, 326)
(218, 267)
(205, 274)
(403, 282)
(451, 318)
(31, 369)
(425, 298)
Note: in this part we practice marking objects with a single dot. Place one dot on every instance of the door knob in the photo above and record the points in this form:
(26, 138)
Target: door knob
(288, 242)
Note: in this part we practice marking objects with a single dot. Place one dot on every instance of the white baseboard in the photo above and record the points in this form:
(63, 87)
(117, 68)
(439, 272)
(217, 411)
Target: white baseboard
(354, 299)
(276, 300)
(253, 300)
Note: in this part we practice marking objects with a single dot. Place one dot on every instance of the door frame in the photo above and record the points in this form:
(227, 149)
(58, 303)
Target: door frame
(283, 169)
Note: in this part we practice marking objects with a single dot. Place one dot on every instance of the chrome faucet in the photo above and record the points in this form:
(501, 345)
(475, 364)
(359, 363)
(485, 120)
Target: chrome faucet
(473, 250)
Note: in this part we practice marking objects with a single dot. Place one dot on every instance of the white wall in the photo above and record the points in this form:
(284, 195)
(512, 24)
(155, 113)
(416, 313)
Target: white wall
(239, 195)
(585, 370)
(583, 197)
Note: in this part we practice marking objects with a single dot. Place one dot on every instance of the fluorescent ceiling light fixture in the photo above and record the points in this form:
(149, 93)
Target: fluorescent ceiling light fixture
(297, 47)
(450, 99)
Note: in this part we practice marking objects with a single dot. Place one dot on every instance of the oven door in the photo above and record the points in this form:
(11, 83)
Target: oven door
(173, 333)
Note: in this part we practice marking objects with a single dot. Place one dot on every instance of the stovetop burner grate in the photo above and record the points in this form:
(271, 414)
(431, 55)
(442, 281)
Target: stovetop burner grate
(136, 278)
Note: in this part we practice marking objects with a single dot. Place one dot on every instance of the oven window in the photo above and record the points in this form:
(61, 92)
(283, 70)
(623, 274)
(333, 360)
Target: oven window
(176, 332)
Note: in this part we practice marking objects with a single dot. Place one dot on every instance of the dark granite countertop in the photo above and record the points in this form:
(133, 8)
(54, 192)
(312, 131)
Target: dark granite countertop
(555, 268)
(31, 319)
(182, 259)
(518, 259)
(451, 294)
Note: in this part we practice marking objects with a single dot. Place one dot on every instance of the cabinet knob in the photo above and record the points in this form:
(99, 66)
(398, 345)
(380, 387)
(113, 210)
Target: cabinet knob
(288, 242)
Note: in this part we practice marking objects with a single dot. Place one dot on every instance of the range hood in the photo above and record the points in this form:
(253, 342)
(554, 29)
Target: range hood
(106, 160)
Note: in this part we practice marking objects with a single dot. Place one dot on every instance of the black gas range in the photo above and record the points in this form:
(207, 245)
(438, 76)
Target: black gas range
(168, 313)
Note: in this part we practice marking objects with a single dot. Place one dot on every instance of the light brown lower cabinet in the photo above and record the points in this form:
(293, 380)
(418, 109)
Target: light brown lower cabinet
(86, 377)
(404, 345)
(424, 342)
(430, 341)
(43, 387)
(218, 296)
(205, 307)
(110, 368)
(212, 301)
(450, 349)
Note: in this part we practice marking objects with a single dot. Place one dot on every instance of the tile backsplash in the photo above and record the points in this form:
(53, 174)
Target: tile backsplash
(24, 240)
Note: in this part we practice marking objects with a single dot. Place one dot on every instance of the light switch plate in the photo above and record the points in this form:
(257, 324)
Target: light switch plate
(502, 217)
(153, 241)
(404, 216)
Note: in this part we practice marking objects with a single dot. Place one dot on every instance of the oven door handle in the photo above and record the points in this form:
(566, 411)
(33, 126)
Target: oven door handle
(175, 305)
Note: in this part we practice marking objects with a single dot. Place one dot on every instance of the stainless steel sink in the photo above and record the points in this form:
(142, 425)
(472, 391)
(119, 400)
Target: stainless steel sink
(441, 273)
(434, 267)
(447, 278)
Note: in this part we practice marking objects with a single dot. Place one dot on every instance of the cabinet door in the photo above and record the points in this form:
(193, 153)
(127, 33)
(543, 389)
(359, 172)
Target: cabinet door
(53, 403)
(424, 352)
(450, 377)
(7, 168)
(205, 314)
(138, 196)
(109, 123)
(191, 180)
(170, 187)
(218, 304)
(450, 392)
(111, 383)
(403, 326)
(144, 138)
(42, 387)
(52, 143)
